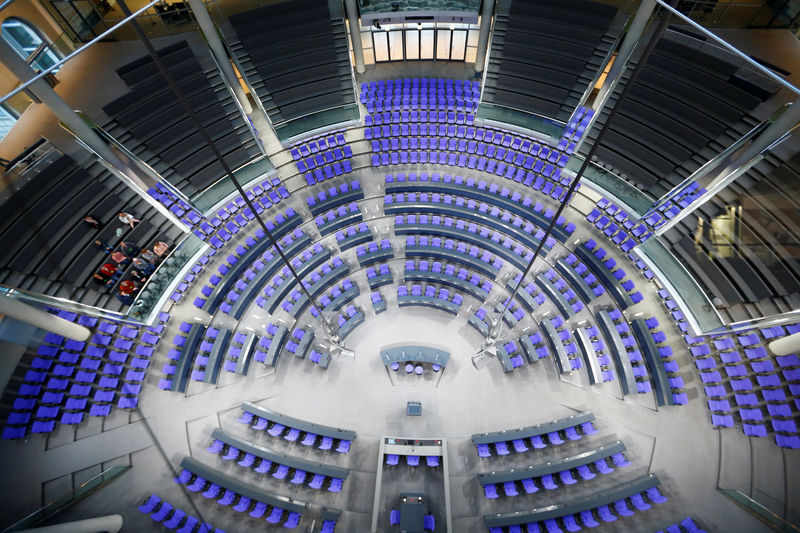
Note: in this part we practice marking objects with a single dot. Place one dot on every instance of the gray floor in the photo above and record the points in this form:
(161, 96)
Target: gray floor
(676, 443)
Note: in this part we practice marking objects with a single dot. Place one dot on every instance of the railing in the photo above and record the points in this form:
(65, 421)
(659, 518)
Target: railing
(767, 509)
(72, 497)
(157, 290)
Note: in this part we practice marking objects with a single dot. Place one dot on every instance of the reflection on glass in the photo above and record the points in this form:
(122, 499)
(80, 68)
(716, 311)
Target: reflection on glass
(457, 49)
(381, 44)
(396, 45)
(443, 44)
(27, 41)
(169, 273)
(426, 44)
(369, 56)
(412, 44)
(472, 40)
(366, 39)
(7, 121)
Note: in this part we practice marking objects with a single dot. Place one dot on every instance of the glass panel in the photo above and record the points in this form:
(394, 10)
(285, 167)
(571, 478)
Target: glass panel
(766, 16)
(369, 56)
(472, 40)
(672, 273)
(79, 16)
(25, 40)
(426, 44)
(7, 121)
(381, 45)
(387, 6)
(366, 39)
(412, 44)
(156, 291)
(457, 49)
(44, 60)
(472, 54)
(21, 37)
(396, 45)
(443, 44)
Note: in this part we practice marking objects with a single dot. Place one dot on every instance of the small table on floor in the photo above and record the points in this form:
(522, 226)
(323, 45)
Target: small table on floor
(412, 512)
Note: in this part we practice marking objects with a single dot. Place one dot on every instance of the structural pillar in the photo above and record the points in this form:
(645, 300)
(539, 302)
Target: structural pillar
(629, 42)
(785, 345)
(13, 308)
(209, 31)
(355, 34)
(734, 166)
(483, 34)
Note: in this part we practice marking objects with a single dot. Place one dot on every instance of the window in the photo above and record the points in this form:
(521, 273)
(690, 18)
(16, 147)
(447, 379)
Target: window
(28, 42)
(423, 41)
(7, 121)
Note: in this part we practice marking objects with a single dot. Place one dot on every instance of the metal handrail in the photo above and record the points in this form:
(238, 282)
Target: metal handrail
(57, 505)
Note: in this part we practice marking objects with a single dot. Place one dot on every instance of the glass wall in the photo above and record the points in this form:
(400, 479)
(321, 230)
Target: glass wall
(7, 121)
(420, 42)
(29, 43)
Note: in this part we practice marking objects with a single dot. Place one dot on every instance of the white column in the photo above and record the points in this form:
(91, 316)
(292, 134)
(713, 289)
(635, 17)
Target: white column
(355, 34)
(629, 42)
(483, 35)
(23, 312)
(209, 30)
(785, 345)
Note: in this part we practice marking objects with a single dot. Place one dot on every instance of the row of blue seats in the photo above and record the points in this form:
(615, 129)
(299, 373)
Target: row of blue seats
(488, 198)
(461, 252)
(401, 83)
(453, 138)
(393, 459)
(430, 296)
(239, 502)
(265, 466)
(641, 501)
(572, 433)
(69, 378)
(532, 485)
(307, 147)
(349, 320)
(335, 196)
(321, 159)
(291, 434)
(576, 127)
(446, 274)
(173, 518)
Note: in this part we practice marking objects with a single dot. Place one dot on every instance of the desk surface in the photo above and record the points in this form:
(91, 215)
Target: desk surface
(423, 354)
(412, 512)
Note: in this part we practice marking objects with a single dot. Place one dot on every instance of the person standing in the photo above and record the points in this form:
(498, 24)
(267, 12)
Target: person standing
(130, 250)
(144, 267)
(148, 256)
(107, 275)
(103, 245)
(160, 248)
(127, 218)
